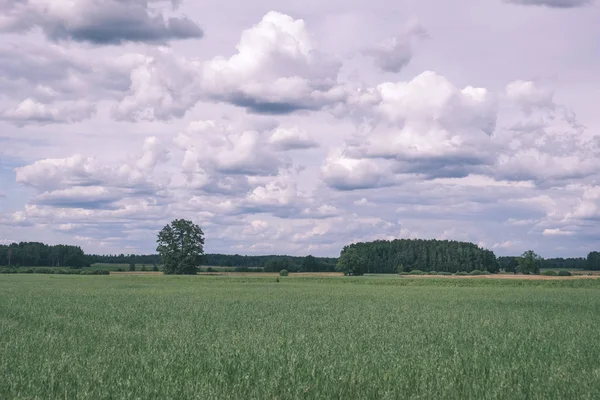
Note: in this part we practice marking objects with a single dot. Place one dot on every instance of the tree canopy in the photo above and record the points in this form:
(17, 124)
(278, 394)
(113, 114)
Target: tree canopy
(181, 246)
(529, 263)
(384, 256)
(352, 262)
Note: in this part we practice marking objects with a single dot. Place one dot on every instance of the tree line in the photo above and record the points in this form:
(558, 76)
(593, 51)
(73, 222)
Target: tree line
(405, 255)
(125, 258)
(270, 263)
(591, 262)
(35, 254)
(273, 263)
(400, 255)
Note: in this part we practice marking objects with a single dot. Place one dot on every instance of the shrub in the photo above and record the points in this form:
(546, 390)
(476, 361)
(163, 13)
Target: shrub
(417, 272)
(478, 272)
(564, 273)
(549, 273)
(120, 269)
(143, 268)
(210, 269)
(242, 269)
(432, 273)
(284, 272)
(444, 273)
(92, 272)
(462, 273)
(155, 268)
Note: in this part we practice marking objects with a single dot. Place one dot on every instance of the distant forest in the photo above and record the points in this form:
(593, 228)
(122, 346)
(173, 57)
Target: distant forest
(404, 255)
(510, 263)
(380, 257)
(270, 263)
(34, 254)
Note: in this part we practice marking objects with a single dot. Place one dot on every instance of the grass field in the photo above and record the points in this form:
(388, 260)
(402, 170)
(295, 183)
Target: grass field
(212, 337)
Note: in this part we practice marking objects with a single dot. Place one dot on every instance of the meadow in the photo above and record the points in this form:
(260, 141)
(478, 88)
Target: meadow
(251, 337)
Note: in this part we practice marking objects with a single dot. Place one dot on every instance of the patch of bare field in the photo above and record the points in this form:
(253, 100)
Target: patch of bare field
(135, 273)
(594, 273)
(502, 276)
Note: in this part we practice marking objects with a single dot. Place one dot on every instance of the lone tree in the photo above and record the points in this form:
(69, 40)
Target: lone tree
(529, 263)
(351, 262)
(181, 245)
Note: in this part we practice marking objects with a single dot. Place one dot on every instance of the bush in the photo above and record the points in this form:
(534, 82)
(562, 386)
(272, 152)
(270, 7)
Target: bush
(549, 273)
(417, 272)
(462, 273)
(93, 272)
(444, 273)
(478, 272)
(210, 269)
(143, 268)
(564, 273)
(155, 268)
(432, 273)
(242, 269)
(284, 272)
(120, 269)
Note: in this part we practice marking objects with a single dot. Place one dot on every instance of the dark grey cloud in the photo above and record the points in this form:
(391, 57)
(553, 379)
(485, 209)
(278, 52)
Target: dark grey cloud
(90, 204)
(259, 106)
(98, 22)
(552, 3)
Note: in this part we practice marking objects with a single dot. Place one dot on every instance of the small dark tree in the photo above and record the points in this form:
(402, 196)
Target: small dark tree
(351, 262)
(132, 266)
(181, 245)
(529, 263)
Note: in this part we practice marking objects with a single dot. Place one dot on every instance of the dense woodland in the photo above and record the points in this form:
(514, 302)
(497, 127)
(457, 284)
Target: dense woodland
(379, 256)
(34, 254)
(404, 255)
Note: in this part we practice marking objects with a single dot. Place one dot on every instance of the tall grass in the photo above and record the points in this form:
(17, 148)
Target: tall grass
(252, 338)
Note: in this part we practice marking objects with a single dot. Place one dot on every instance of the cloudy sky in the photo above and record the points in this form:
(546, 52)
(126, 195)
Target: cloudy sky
(300, 127)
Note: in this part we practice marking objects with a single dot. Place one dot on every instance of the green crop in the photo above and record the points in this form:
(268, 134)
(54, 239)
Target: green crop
(206, 337)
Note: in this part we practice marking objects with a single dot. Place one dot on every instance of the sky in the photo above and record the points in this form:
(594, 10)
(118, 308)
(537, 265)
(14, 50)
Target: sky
(297, 128)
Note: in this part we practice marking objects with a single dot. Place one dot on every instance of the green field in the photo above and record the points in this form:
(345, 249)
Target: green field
(165, 337)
